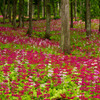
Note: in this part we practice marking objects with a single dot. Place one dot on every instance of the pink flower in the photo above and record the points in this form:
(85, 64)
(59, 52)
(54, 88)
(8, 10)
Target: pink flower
(63, 95)
(38, 92)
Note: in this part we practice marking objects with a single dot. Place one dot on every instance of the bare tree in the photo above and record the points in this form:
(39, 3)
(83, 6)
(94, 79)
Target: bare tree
(29, 32)
(23, 14)
(99, 15)
(43, 8)
(71, 14)
(4, 11)
(14, 13)
(88, 18)
(48, 14)
(9, 10)
(38, 8)
(65, 27)
(75, 10)
(27, 7)
(80, 7)
(20, 12)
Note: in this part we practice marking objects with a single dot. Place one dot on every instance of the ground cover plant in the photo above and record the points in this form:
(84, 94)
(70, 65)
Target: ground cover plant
(36, 69)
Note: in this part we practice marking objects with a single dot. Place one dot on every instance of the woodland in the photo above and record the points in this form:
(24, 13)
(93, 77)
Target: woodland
(50, 49)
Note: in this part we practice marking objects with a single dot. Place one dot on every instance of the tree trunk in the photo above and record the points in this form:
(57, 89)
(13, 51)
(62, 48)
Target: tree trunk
(53, 5)
(71, 14)
(59, 8)
(75, 10)
(80, 7)
(14, 13)
(9, 10)
(99, 23)
(48, 14)
(4, 11)
(23, 14)
(33, 7)
(20, 12)
(1, 10)
(84, 6)
(88, 18)
(65, 27)
(99, 16)
(29, 32)
(28, 8)
(56, 9)
(43, 8)
(38, 8)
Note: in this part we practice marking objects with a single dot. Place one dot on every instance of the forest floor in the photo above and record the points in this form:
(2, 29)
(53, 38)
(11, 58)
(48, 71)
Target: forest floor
(36, 69)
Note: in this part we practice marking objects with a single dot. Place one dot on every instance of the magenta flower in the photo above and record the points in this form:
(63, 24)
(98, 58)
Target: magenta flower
(63, 95)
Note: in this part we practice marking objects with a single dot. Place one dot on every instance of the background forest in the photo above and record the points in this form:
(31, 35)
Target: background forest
(50, 49)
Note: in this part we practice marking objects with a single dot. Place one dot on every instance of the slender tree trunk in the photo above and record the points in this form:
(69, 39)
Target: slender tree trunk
(43, 8)
(56, 8)
(14, 13)
(23, 14)
(71, 14)
(33, 7)
(80, 7)
(29, 32)
(59, 8)
(75, 10)
(53, 9)
(9, 10)
(28, 8)
(99, 16)
(4, 11)
(38, 8)
(84, 6)
(88, 18)
(20, 12)
(48, 14)
(65, 27)
(1, 10)
(85, 20)
(99, 23)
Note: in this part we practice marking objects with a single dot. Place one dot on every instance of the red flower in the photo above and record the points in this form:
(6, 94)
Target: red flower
(63, 95)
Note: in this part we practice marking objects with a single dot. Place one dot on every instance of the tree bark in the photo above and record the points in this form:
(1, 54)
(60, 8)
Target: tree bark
(28, 8)
(14, 13)
(33, 7)
(84, 6)
(43, 8)
(88, 18)
(71, 14)
(99, 23)
(75, 10)
(23, 14)
(99, 15)
(53, 5)
(4, 11)
(9, 10)
(38, 8)
(56, 9)
(1, 10)
(48, 14)
(59, 8)
(80, 7)
(20, 12)
(29, 32)
(65, 27)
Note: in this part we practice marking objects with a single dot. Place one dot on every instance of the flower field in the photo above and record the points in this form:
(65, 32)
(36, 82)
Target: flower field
(35, 68)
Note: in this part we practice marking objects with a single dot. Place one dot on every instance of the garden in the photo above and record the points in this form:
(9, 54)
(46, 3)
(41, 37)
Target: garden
(35, 68)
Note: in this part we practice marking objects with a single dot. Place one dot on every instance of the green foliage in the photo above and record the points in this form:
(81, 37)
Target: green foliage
(57, 17)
